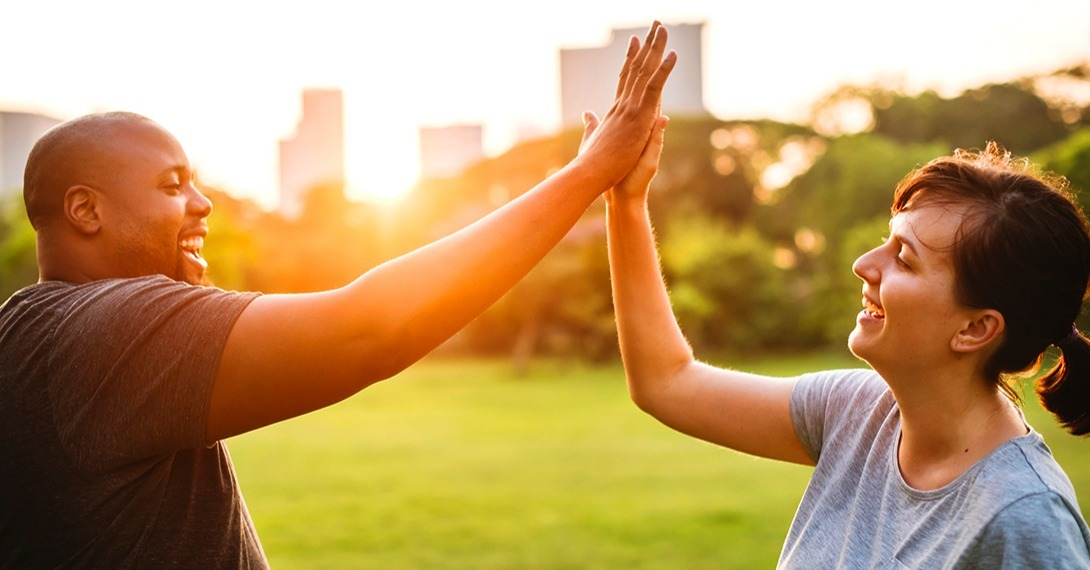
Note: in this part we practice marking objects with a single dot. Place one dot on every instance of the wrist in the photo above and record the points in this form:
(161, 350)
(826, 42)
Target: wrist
(593, 172)
(626, 205)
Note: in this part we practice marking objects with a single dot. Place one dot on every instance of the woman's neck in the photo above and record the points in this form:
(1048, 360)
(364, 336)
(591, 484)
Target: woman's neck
(948, 424)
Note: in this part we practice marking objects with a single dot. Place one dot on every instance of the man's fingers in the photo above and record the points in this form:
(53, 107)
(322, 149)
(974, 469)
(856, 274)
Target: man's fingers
(634, 66)
(658, 79)
(629, 56)
(650, 65)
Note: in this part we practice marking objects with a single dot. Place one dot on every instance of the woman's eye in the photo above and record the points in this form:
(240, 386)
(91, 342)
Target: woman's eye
(900, 259)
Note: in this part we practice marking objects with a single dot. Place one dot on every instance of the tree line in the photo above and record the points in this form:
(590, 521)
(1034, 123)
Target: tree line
(758, 221)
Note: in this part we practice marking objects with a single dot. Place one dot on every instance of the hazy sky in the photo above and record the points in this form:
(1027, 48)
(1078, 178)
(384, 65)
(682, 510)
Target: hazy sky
(225, 76)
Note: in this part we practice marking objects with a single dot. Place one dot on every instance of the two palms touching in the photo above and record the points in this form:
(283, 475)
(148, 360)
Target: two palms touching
(641, 81)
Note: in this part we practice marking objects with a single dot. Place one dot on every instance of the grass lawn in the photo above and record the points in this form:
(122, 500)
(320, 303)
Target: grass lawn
(460, 464)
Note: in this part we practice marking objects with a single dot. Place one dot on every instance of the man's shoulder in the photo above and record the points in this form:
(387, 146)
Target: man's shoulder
(55, 287)
(111, 299)
(126, 286)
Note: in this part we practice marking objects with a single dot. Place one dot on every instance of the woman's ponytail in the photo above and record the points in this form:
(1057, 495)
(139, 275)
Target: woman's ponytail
(1065, 390)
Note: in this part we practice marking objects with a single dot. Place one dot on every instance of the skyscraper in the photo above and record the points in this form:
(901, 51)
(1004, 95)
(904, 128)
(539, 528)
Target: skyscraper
(315, 154)
(588, 76)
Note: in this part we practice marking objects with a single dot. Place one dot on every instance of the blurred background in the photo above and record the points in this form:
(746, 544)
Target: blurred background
(333, 136)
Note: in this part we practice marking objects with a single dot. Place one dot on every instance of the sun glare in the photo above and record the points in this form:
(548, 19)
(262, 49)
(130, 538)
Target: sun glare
(375, 192)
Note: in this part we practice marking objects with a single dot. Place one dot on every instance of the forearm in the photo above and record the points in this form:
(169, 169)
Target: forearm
(653, 347)
(741, 411)
(411, 304)
(290, 354)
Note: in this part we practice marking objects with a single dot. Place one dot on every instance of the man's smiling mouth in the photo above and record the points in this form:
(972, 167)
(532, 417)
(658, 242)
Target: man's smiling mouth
(192, 248)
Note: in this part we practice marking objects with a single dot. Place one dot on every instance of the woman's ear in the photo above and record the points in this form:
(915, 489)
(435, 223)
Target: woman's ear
(80, 208)
(986, 326)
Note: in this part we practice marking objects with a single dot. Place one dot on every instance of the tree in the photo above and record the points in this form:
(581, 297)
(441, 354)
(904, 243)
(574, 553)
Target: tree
(725, 288)
(1011, 114)
(18, 260)
(1071, 159)
(852, 182)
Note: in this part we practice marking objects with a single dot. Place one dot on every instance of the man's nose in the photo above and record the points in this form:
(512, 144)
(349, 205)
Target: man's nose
(198, 204)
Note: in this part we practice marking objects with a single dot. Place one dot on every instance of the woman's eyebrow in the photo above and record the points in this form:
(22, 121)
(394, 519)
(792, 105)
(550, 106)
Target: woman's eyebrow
(903, 238)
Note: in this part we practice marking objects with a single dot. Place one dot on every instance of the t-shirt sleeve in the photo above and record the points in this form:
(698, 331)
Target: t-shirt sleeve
(823, 402)
(132, 366)
(1037, 531)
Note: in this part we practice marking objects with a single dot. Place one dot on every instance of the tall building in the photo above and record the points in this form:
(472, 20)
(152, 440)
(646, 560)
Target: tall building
(315, 155)
(588, 76)
(447, 151)
(18, 133)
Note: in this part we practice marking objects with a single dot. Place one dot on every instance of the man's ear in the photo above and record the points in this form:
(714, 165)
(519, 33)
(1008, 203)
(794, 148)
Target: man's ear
(986, 326)
(81, 209)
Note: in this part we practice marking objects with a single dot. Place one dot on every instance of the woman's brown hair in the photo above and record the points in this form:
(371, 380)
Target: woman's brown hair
(1023, 249)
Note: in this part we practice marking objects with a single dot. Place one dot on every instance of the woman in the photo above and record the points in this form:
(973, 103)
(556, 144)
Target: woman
(924, 461)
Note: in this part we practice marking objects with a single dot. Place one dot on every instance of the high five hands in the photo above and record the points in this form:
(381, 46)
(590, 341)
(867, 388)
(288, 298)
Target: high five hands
(635, 114)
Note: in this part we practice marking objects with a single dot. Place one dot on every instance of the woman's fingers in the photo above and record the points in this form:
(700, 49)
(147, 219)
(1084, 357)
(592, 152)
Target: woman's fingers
(590, 123)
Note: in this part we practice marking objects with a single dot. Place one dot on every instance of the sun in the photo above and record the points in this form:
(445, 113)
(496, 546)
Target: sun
(382, 160)
(375, 191)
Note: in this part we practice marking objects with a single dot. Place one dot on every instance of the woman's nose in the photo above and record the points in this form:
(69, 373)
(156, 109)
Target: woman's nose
(865, 266)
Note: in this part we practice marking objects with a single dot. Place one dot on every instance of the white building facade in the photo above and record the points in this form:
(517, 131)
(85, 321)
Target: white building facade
(314, 156)
(588, 76)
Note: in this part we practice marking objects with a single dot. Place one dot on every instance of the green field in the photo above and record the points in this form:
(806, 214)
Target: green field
(461, 464)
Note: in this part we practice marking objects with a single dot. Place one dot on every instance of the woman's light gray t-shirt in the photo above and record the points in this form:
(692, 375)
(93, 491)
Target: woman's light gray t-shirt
(1013, 509)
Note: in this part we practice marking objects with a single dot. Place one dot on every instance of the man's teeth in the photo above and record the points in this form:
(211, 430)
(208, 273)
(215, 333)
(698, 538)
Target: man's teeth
(193, 244)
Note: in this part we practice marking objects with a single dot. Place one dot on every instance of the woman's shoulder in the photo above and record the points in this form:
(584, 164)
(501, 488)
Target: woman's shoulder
(1021, 479)
(846, 406)
(1036, 530)
(854, 386)
(1025, 466)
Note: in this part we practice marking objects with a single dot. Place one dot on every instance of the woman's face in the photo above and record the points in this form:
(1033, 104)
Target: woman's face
(910, 309)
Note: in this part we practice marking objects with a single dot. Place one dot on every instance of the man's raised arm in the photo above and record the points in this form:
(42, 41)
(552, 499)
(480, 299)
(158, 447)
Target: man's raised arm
(291, 354)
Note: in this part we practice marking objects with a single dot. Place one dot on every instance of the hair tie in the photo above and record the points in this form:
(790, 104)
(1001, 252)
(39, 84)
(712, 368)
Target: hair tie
(1072, 336)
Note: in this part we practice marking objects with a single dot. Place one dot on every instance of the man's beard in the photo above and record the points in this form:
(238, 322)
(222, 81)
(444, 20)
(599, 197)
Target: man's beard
(184, 273)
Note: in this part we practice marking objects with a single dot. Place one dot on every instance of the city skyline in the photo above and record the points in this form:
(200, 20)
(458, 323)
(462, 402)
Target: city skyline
(226, 77)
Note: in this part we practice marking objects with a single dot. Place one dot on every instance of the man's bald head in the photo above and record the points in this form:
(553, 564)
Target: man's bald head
(75, 152)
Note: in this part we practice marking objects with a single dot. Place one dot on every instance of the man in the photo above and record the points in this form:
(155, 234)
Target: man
(120, 376)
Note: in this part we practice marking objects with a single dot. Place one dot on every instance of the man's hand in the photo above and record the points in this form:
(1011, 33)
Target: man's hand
(636, 184)
(291, 354)
(613, 145)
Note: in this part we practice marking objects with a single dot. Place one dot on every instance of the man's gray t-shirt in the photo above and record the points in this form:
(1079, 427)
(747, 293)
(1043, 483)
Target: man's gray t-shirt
(1013, 509)
(104, 394)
